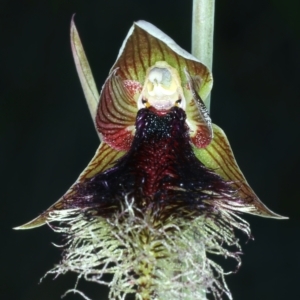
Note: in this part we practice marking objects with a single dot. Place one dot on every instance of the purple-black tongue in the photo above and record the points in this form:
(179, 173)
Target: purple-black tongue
(160, 169)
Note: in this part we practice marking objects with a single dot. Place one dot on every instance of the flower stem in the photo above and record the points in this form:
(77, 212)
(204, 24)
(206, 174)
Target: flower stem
(202, 42)
(202, 33)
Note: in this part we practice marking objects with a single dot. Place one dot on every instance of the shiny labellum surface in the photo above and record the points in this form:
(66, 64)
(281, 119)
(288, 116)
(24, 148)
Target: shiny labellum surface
(160, 169)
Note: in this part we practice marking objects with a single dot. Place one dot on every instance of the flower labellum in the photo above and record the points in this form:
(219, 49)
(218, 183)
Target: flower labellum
(163, 189)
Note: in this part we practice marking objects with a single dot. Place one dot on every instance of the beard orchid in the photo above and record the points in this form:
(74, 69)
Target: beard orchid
(163, 190)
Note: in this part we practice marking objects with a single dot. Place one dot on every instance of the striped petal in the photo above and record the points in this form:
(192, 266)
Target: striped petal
(219, 157)
(145, 46)
(102, 160)
(117, 111)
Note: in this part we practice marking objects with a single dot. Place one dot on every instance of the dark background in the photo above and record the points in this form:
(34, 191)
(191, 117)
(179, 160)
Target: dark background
(47, 136)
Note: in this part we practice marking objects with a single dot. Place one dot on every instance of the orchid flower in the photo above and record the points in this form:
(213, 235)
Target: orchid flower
(163, 189)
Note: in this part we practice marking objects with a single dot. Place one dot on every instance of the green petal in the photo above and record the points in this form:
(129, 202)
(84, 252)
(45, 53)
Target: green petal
(219, 157)
(84, 71)
(102, 160)
(145, 45)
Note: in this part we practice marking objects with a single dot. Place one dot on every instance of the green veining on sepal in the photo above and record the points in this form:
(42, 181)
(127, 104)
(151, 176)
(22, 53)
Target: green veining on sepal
(219, 157)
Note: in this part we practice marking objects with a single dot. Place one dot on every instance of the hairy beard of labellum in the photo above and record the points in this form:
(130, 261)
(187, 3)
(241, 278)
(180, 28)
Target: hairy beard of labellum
(151, 219)
(160, 171)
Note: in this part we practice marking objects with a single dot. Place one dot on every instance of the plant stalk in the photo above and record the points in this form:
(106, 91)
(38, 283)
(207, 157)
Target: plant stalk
(202, 33)
(202, 40)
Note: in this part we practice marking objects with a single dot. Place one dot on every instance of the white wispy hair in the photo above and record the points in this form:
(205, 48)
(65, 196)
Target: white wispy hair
(147, 257)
